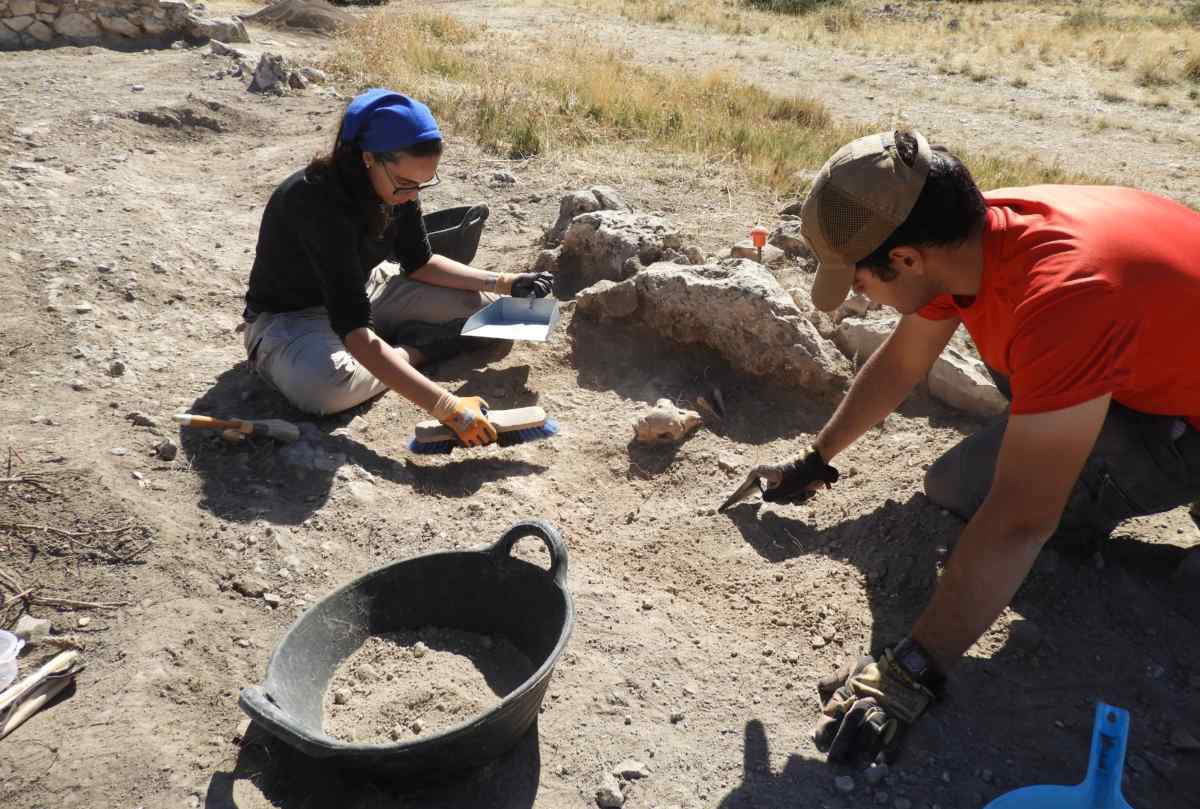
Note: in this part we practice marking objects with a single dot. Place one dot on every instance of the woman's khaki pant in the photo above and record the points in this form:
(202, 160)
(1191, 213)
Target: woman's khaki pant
(299, 353)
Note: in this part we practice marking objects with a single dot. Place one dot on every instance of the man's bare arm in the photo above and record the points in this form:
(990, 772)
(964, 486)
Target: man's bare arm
(887, 378)
(1039, 463)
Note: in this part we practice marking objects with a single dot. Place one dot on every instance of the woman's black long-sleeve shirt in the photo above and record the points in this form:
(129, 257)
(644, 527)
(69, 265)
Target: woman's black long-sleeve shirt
(316, 247)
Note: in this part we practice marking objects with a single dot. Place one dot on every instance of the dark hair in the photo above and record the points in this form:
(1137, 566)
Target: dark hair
(948, 211)
(344, 162)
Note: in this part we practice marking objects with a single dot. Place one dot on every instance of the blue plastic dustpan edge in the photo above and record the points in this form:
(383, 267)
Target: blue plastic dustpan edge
(1100, 788)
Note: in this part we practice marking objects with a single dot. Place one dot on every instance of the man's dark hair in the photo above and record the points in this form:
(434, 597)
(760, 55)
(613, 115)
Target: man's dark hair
(949, 209)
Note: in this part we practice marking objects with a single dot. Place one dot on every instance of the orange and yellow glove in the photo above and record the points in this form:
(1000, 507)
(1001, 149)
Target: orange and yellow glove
(467, 417)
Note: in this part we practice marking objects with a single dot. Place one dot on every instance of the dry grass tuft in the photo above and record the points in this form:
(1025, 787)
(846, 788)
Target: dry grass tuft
(524, 102)
(1191, 68)
(1109, 36)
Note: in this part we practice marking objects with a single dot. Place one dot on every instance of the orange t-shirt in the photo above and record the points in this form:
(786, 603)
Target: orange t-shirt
(1088, 290)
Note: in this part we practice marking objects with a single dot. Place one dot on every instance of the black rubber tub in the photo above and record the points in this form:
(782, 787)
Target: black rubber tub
(455, 232)
(486, 591)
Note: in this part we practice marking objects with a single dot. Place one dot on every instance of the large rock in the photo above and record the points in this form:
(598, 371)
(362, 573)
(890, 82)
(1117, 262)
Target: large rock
(736, 308)
(225, 29)
(20, 23)
(859, 339)
(77, 27)
(22, 8)
(608, 300)
(219, 48)
(120, 26)
(41, 32)
(786, 237)
(746, 249)
(594, 198)
(9, 40)
(599, 245)
(962, 381)
(271, 75)
(175, 11)
(312, 15)
(957, 378)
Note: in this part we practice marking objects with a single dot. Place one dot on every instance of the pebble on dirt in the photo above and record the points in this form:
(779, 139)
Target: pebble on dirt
(844, 784)
(876, 773)
(167, 450)
(631, 769)
(140, 419)
(32, 630)
(608, 794)
(250, 586)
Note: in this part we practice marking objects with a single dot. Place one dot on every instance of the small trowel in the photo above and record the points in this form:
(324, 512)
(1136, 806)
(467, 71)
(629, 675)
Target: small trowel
(761, 478)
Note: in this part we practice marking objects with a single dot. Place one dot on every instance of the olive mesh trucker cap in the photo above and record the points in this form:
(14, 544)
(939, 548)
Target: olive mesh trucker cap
(860, 196)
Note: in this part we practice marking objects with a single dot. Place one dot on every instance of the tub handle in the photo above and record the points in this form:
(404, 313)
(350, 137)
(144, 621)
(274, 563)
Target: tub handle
(477, 214)
(548, 534)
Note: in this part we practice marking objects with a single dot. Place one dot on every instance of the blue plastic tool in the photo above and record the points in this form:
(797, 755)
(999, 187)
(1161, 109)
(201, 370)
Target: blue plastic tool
(1101, 789)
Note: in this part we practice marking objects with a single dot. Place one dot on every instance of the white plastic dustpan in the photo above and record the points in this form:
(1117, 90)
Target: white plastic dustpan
(514, 319)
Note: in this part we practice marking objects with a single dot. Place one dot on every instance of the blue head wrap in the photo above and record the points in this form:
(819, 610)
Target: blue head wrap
(383, 121)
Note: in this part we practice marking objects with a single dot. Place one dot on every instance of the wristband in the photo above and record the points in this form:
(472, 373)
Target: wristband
(504, 283)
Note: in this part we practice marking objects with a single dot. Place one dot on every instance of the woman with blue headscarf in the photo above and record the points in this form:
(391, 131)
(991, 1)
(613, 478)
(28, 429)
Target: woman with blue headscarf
(328, 325)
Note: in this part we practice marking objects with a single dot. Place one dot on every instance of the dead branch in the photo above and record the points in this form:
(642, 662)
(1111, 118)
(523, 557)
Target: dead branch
(16, 526)
(10, 580)
(30, 480)
(106, 547)
(65, 642)
(66, 603)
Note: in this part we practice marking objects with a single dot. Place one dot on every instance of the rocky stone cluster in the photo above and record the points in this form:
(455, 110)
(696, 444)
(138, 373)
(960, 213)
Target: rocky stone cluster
(115, 23)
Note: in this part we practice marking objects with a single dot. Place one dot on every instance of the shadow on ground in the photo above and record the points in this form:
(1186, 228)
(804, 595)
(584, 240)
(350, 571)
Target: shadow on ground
(269, 773)
(286, 483)
(638, 364)
(1110, 627)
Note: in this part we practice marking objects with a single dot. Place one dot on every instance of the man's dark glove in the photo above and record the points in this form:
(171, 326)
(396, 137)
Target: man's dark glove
(867, 706)
(532, 285)
(796, 479)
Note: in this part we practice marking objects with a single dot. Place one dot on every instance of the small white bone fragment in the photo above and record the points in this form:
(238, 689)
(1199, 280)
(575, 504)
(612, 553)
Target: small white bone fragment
(665, 423)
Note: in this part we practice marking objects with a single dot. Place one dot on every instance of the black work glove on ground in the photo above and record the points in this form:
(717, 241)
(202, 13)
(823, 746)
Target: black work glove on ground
(867, 707)
(798, 476)
(532, 285)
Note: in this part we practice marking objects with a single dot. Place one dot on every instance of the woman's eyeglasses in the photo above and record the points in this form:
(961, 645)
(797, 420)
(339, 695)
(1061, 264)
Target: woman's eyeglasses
(397, 188)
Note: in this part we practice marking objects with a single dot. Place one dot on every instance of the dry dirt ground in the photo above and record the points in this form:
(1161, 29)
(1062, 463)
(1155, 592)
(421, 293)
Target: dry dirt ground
(126, 241)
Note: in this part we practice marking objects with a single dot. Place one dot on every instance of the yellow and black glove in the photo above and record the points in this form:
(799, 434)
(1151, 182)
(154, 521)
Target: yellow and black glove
(870, 703)
(467, 417)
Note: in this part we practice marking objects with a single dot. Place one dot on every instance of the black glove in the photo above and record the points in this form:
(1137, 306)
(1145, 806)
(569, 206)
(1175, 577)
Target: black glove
(868, 705)
(797, 476)
(532, 285)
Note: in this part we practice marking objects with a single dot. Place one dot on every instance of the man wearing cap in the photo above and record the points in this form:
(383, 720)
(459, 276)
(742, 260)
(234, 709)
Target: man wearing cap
(330, 323)
(1082, 300)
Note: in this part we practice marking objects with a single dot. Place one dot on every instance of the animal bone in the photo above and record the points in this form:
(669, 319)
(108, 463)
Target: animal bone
(665, 423)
